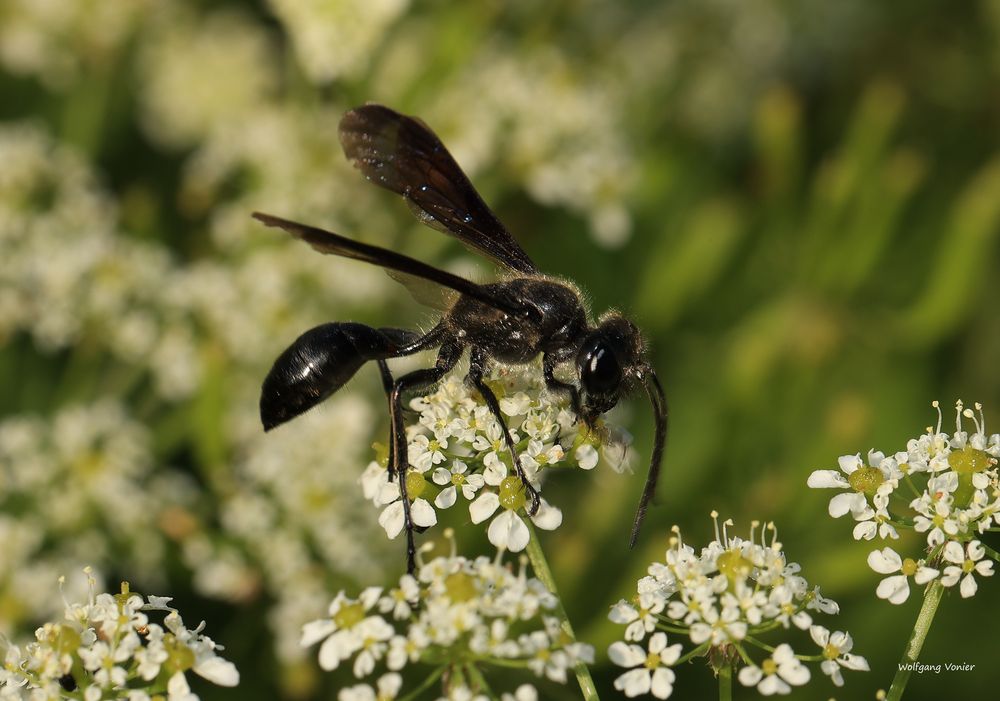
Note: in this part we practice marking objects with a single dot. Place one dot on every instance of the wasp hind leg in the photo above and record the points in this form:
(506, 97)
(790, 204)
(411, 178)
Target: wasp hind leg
(399, 463)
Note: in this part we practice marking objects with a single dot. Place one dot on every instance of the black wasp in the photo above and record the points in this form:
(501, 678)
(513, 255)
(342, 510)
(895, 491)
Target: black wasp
(508, 322)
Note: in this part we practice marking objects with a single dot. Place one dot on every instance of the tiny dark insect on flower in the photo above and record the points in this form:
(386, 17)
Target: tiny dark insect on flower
(508, 322)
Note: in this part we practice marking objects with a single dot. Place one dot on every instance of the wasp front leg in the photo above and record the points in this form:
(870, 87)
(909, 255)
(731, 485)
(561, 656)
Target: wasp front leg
(549, 363)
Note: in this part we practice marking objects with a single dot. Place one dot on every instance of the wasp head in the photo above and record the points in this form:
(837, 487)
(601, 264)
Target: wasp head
(607, 363)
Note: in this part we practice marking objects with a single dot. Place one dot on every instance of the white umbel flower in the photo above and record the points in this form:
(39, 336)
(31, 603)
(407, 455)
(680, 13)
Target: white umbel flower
(651, 673)
(896, 589)
(965, 562)
(836, 649)
(777, 674)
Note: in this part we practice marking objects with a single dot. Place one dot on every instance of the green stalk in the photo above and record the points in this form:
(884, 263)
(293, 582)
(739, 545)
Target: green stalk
(726, 683)
(541, 567)
(932, 597)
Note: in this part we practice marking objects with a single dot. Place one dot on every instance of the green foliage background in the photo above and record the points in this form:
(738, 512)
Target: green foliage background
(798, 201)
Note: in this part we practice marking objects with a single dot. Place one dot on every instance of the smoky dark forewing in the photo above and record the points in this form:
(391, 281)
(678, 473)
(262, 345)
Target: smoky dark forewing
(403, 155)
(335, 244)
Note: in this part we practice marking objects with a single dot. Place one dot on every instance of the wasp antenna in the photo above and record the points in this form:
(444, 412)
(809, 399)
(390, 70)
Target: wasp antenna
(658, 400)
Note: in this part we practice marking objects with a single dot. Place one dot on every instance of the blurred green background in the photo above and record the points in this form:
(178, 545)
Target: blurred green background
(798, 201)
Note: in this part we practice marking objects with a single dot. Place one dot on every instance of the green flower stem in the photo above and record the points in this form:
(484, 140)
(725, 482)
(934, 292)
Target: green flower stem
(932, 597)
(691, 654)
(541, 567)
(726, 683)
(991, 552)
(425, 685)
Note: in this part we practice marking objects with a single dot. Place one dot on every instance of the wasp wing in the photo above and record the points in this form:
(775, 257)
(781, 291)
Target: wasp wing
(329, 242)
(425, 292)
(403, 155)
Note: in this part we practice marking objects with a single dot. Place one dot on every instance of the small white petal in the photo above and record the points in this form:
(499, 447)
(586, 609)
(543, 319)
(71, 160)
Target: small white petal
(884, 561)
(446, 499)
(314, 631)
(422, 513)
(749, 676)
(218, 671)
(895, 589)
(843, 503)
(623, 613)
(855, 662)
(635, 682)
(662, 682)
(953, 552)
(773, 685)
(820, 635)
(586, 456)
(625, 655)
(849, 463)
(484, 506)
(827, 479)
(508, 531)
(391, 519)
(865, 530)
(548, 517)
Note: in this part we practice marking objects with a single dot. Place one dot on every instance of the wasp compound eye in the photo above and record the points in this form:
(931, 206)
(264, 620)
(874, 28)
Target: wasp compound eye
(600, 371)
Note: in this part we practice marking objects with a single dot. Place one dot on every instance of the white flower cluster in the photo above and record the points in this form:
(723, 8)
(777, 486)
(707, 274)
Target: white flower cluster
(80, 481)
(722, 600)
(557, 128)
(334, 39)
(107, 648)
(456, 615)
(457, 453)
(943, 485)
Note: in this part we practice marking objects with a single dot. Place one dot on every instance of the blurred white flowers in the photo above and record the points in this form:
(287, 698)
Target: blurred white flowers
(724, 599)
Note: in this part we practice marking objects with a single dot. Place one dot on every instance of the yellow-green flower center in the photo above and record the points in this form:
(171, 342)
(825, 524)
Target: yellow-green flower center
(457, 479)
(349, 615)
(866, 480)
(381, 453)
(732, 564)
(652, 661)
(63, 639)
(511, 493)
(415, 484)
(769, 667)
(179, 656)
(909, 567)
(460, 587)
(969, 460)
(968, 566)
(831, 651)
